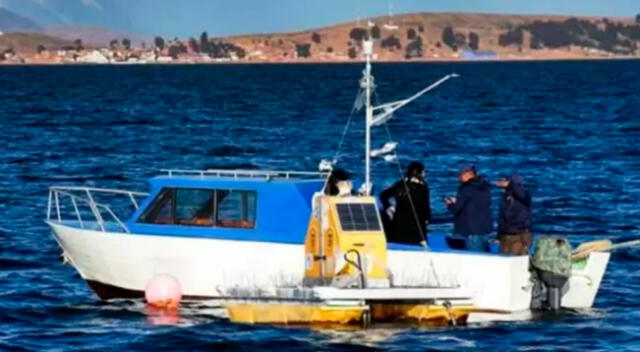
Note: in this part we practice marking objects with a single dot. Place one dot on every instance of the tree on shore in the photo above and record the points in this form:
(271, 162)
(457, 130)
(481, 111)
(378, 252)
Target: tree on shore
(205, 46)
(391, 42)
(461, 40)
(352, 53)
(449, 39)
(411, 34)
(358, 34)
(159, 43)
(40, 48)
(126, 42)
(174, 51)
(474, 41)
(315, 37)
(78, 44)
(414, 48)
(303, 50)
(375, 32)
(193, 45)
(113, 44)
(638, 18)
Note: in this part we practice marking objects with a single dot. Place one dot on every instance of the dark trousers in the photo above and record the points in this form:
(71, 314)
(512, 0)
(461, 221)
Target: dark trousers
(516, 244)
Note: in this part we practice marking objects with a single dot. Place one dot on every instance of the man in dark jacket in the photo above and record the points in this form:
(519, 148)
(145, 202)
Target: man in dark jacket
(412, 210)
(471, 209)
(514, 224)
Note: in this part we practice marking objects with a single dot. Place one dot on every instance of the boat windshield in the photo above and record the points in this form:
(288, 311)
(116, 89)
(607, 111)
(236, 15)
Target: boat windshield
(202, 207)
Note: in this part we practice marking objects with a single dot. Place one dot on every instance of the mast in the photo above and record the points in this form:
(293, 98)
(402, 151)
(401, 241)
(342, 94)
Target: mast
(367, 82)
(384, 112)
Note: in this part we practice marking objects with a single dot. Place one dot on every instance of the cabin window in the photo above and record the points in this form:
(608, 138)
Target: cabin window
(203, 207)
(236, 209)
(161, 210)
(358, 217)
(195, 206)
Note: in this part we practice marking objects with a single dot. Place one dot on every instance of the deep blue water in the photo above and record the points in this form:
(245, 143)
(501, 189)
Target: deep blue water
(570, 128)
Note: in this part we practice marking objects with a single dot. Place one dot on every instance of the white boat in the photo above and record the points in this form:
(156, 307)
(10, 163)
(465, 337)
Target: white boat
(216, 230)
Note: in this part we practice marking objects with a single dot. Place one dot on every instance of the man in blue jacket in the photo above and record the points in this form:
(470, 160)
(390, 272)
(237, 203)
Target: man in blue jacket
(514, 224)
(471, 209)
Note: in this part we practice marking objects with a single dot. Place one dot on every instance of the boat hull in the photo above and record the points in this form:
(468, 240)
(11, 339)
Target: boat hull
(119, 265)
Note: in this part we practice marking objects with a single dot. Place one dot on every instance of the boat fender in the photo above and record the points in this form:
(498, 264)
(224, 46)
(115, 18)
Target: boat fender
(163, 291)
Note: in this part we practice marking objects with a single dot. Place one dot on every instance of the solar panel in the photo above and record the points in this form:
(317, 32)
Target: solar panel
(358, 217)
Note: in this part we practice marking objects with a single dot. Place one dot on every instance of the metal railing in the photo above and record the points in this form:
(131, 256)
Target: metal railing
(266, 174)
(85, 195)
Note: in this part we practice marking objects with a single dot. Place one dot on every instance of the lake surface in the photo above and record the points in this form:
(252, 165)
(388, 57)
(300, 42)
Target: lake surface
(570, 128)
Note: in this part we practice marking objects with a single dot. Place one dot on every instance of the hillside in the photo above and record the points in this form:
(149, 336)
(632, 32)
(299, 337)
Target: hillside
(27, 43)
(96, 36)
(407, 37)
(12, 22)
(452, 35)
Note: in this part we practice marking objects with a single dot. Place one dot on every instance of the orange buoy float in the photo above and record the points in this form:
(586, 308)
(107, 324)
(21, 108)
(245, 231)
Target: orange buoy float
(163, 291)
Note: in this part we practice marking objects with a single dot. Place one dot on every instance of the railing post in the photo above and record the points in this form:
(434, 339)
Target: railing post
(75, 206)
(95, 210)
(49, 204)
(113, 215)
(133, 200)
(57, 206)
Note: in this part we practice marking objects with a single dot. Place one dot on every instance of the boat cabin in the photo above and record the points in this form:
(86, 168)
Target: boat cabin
(228, 205)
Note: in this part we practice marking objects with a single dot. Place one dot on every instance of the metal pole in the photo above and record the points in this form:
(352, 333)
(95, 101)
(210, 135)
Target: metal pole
(133, 200)
(75, 206)
(49, 204)
(368, 52)
(57, 206)
(95, 210)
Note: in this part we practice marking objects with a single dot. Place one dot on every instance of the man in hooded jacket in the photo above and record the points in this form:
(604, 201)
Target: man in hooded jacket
(514, 224)
(412, 211)
(471, 209)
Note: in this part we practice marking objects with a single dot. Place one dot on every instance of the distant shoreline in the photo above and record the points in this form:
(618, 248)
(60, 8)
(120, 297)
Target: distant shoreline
(328, 62)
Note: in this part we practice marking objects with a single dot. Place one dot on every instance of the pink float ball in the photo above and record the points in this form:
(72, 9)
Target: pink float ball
(163, 291)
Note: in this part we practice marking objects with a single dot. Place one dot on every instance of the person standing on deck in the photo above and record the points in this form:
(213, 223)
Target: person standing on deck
(471, 209)
(514, 223)
(336, 178)
(412, 209)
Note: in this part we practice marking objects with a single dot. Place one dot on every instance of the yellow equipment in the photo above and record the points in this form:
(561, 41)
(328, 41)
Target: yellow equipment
(346, 280)
(345, 243)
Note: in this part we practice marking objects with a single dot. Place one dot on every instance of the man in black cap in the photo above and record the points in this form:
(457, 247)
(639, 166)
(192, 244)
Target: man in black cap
(412, 211)
(514, 224)
(471, 209)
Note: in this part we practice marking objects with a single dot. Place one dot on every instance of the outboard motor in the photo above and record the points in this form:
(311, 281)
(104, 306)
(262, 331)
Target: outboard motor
(551, 269)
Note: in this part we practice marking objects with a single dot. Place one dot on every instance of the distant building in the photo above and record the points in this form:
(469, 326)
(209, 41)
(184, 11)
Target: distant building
(164, 59)
(478, 55)
(94, 57)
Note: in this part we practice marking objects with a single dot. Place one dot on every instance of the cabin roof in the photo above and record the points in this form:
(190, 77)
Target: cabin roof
(227, 182)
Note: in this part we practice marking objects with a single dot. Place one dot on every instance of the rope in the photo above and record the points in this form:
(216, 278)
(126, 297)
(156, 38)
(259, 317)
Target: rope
(406, 187)
(334, 160)
(413, 207)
